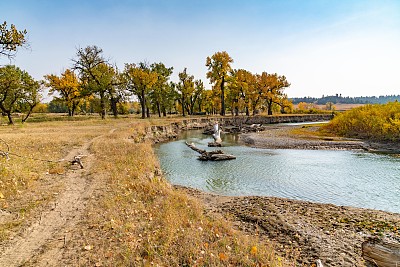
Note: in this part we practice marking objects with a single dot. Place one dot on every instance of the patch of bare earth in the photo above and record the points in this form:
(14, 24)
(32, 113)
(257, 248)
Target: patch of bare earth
(294, 137)
(305, 231)
(280, 137)
(42, 241)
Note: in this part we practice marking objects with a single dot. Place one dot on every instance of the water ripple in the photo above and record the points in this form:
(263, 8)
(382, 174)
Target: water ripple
(339, 177)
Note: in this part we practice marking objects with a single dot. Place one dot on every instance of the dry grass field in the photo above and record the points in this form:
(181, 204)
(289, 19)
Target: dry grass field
(337, 107)
(116, 211)
(342, 107)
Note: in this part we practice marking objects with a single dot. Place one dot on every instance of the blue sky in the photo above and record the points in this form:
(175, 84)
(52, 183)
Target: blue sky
(322, 47)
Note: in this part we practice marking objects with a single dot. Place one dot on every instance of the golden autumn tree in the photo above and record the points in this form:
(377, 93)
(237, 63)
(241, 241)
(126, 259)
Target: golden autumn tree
(11, 39)
(210, 101)
(185, 88)
(254, 92)
(242, 84)
(140, 79)
(67, 85)
(219, 66)
(272, 87)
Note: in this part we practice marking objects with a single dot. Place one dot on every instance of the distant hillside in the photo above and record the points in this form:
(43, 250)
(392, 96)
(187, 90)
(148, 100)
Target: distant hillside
(338, 99)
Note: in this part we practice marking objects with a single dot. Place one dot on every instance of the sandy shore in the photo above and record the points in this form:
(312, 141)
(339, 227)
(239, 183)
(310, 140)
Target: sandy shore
(302, 230)
(281, 137)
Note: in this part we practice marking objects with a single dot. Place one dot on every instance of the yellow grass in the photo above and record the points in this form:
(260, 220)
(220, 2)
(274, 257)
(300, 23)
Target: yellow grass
(31, 176)
(136, 218)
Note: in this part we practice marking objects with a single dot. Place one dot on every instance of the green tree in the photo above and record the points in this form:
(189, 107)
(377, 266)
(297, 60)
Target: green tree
(18, 92)
(171, 97)
(68, 87)
(96, 75)
(116, 88)
(159, 94)
(218, 70)
(56, 105)
(140, 79)
(195, 96)
(185, 88)
(11, 39)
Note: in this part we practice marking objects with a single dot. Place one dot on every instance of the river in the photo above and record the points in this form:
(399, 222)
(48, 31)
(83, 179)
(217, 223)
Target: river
(345, 178)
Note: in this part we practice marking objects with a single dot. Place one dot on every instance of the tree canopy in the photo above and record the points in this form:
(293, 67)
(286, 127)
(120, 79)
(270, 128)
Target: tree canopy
(18, 92)
(219, 66)
(140, 80)
(96, 75)
(11, 39)
(69, 88)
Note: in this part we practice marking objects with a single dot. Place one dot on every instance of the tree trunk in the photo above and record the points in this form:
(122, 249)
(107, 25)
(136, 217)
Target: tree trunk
(222, 97)
(269, 105)
(29, 113)
(10, 119)
(159, 109)
(216, 155)
(8, 112)
(74, 105)
(102, 106)
(147, 112)
(191, 108)
(143, 104)
(114, 109)
(254, 108)
(380, 253)
(183, 107)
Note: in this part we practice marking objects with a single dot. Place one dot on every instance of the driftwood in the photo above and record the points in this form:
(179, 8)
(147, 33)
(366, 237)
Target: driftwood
(215, 155)
(243, 128)
(381, 254)
(214, 144)
(5, 153)
(77, 160)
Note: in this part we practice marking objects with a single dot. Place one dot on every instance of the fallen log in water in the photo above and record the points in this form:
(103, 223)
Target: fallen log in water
(382, 254)
(215, 155)
(214, 144)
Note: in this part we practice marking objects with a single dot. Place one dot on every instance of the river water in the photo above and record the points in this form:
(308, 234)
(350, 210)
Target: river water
(347, 178)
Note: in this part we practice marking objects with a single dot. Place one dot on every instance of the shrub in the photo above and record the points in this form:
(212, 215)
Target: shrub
(375, 122)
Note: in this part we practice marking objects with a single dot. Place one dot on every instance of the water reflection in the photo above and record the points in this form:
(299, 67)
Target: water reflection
(339, 177)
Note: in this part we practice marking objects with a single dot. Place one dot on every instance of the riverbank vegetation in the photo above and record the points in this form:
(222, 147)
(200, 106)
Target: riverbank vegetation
(374, 122)
(134, 216)
(93, 85)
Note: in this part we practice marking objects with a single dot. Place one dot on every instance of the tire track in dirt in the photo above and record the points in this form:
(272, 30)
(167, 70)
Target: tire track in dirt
(42, 243)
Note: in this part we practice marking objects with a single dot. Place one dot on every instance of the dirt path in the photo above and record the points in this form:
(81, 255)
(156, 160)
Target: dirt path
(42, 243)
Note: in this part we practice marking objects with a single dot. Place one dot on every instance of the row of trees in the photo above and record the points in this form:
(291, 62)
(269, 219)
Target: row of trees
(19, 92)
(92, 83)
(237, 90)
(339, 99)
